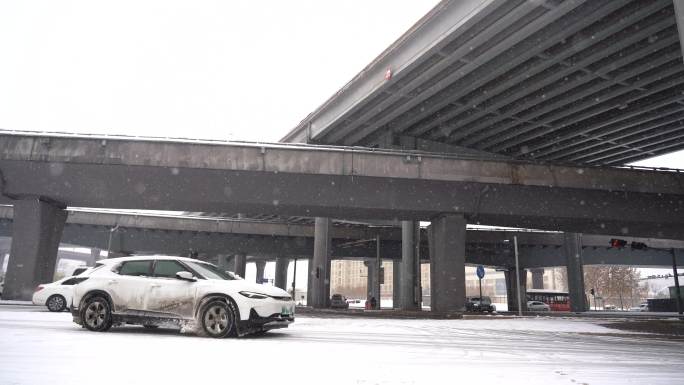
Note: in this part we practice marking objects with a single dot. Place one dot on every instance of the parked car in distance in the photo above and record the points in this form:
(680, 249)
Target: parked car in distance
(537, 306)
(609, 307)
(640, 308)
(338, 301)
(56, 295)
(484, 305)
(186, 293)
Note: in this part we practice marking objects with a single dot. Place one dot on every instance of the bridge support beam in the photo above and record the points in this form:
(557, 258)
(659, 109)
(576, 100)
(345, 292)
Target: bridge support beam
(240, 264)
(572, 247)
(37, 231)
(410, 278)
(396, 284)
(320, 280)
(224, 262)
(95, 255)
(512, 289)
(309, 281)
(281, 273)
(537, 278)
(260, 267)
(447, 263)
(372, 282)
(679, 15)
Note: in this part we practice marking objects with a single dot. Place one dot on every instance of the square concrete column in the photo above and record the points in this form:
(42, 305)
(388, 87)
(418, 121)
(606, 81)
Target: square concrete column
(225, 262)
(410, 275)
(512, 289)
(320, 280)
(447, 263)
(309, 279)
(281, 273)
(572, 247)
(37, 231)
(372, 282)
(240, 264)
(94, 256)
(260, 267)
(537, 278)
(396, 284)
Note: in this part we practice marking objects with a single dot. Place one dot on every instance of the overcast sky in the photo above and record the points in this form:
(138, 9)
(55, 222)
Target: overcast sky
(242, 70)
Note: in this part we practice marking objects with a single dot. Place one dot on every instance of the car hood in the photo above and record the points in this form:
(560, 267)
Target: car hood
(242, 285)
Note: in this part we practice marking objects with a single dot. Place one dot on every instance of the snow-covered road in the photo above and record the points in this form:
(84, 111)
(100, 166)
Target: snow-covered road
(47, 348)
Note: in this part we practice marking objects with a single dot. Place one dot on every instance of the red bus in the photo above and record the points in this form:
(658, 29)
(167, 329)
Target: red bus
(557, 300)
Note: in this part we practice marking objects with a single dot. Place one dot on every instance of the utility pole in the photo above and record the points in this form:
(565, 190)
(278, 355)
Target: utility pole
(294, 279)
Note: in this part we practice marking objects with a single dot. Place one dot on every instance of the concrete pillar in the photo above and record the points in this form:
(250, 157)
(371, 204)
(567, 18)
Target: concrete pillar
(2, 260)
(447, 263)
(225, 262)
(537, 278)
(320, 280)
(410, 277)
(372, 282)
(309, 281)
(37, 230)
(281, 272)
(240, 264)
(396, 284)
(572, 247)
(260, 266)
(94, 256)
(679, 15)
(512, 289)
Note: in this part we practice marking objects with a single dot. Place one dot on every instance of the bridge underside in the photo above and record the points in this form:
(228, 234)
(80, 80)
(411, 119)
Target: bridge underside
(590, 82)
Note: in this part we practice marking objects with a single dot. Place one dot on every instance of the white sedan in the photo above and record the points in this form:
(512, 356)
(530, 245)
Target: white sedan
(182, 292)
(537, 306)
(56, 295)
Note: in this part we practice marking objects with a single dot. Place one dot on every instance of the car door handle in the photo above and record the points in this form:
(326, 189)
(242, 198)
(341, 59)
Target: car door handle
(155, 285)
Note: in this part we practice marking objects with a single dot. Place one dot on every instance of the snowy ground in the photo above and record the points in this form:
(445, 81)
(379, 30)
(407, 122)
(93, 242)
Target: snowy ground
(37, 347)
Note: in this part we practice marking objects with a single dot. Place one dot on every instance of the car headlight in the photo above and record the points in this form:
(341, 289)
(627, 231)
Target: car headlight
(253, 295)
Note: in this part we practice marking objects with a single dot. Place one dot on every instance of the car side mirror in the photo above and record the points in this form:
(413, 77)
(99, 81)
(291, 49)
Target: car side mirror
(185, 276)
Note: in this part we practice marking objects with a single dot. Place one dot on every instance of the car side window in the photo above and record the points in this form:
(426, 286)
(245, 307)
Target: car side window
(135, 268)
(167, 269)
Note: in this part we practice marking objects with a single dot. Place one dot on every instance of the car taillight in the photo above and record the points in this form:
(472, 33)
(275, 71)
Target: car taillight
(39, 288)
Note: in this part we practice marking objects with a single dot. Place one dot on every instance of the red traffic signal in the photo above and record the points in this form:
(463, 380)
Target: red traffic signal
(618, 243)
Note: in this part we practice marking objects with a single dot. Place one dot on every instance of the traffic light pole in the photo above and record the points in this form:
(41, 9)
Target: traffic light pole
(676, 279)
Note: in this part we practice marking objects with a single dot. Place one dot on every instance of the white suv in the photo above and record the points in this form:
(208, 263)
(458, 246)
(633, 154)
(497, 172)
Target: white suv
(156, 290)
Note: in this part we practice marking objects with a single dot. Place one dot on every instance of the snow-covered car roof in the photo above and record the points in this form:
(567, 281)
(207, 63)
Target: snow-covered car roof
(110, 261)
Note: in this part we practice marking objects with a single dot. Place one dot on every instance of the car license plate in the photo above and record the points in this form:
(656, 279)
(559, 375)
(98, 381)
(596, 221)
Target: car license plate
(285, 311)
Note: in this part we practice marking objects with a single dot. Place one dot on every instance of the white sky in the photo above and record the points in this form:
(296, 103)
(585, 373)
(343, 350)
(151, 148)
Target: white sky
(241, 70)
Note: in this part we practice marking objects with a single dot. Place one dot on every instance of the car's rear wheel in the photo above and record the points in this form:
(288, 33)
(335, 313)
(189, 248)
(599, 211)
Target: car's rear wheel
(56, 303)
(218, 319)
(97, 314)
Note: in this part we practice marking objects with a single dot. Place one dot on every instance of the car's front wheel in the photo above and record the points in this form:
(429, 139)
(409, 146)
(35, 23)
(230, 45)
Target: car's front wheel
(96, 314)
(218, 319)
(56, 303)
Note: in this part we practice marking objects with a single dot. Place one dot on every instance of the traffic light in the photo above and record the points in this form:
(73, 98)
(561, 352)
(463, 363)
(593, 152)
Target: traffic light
(639, 246)
(618, 243)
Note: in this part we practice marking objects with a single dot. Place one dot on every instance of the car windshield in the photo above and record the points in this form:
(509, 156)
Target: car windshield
(209, 271)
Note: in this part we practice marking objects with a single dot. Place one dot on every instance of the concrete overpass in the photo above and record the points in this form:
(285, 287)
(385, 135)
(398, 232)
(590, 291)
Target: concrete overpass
(237, 241)
(41, 174)
(584, 82)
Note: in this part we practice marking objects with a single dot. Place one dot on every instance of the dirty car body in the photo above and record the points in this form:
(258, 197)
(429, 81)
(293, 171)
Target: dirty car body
(160, 290)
